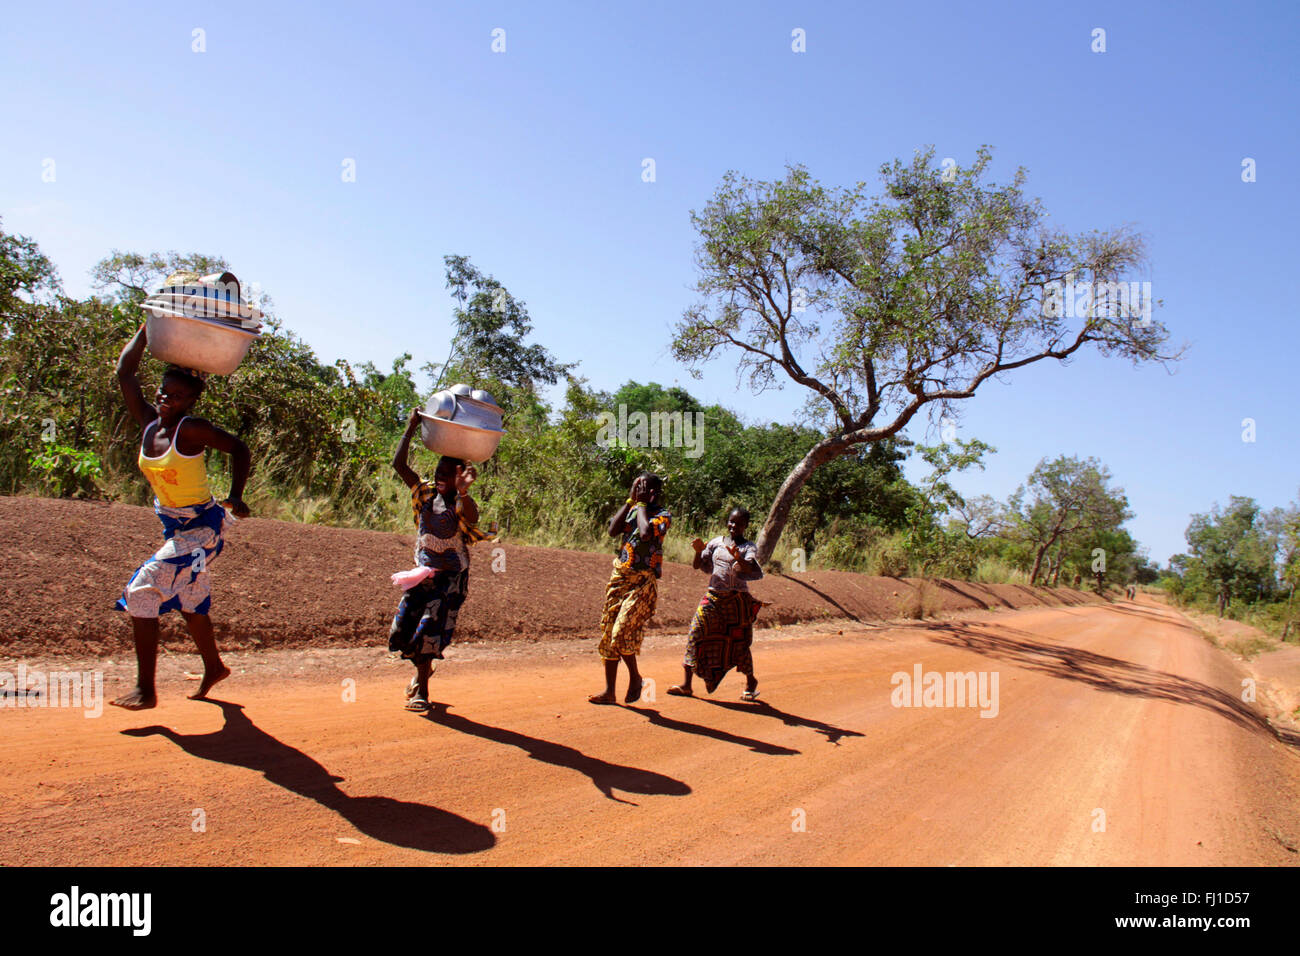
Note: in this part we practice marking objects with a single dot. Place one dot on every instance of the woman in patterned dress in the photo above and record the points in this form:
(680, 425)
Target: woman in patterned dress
(446, 519)
(631, 594)
(722, 631)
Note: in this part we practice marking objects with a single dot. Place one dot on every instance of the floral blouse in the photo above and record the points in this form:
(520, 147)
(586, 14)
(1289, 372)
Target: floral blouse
(644, 554)
(440, 544)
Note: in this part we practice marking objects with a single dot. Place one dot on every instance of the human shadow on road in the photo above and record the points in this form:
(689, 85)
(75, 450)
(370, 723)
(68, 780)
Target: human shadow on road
(607, 776)
(832, 733)
(758, 746)
(241, 743)
(1109, 674)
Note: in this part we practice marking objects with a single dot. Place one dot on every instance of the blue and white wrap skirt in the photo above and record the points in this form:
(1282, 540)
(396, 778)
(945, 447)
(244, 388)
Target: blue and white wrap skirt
(176, 577)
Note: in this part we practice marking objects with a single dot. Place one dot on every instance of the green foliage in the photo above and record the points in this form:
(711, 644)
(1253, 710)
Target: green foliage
(129, 277)
(1241, 564)
(549, 483)
(894, 561)
(56, 384)
(491, 324)
(25, 273)
(322, 436)
(64, 471)
(1232, 554)
(880, 305)
(928, 540)
(1065, 513)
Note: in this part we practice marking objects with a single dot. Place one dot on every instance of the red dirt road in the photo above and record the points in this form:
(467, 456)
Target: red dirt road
(1123, 710)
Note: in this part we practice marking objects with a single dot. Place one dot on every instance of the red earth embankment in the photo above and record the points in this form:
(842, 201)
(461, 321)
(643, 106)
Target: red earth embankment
(63, 564)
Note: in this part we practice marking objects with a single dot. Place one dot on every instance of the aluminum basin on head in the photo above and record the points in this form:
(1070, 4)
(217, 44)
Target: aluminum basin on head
(203, 344)
(458, 441)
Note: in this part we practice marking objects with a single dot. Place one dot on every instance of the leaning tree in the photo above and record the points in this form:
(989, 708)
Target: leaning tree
(882, 306)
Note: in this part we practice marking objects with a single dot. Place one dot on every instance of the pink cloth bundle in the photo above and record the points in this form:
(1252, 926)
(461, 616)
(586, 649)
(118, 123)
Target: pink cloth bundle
(409, 579)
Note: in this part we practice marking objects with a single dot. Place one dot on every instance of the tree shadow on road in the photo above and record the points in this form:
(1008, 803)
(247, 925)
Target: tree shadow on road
(991, 595)
(1107, 673)
(832, 733)
(823, 595)
(1137, 610)
(241, 743)
(686, 727)
(607, 776)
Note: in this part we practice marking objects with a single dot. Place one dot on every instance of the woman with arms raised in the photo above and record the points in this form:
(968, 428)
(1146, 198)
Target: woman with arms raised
(176, 578)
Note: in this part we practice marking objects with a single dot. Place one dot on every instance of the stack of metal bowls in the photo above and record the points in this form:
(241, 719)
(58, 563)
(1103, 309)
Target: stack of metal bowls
(462, 422)
(201, 322)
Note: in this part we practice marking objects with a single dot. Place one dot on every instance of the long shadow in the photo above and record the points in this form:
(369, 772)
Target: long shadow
(950, 586)
(605, 775)
(1037, 598)
(1067, 600)
(758, 746)
(241, 743)
(824, 596)
(1109, 674)
(832, 733)
(1057, 594)
(1138, 611)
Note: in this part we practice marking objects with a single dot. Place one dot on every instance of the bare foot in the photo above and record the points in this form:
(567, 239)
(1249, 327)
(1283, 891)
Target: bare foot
(606, 697)
(210, 681)
(633, 691)
(137, 700)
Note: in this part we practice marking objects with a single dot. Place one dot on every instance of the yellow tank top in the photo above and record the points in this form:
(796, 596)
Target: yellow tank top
(178, 480)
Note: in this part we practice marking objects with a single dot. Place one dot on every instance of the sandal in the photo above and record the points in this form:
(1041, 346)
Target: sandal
(749, 695)
(417, 704)
(677, 690)
(602, 698)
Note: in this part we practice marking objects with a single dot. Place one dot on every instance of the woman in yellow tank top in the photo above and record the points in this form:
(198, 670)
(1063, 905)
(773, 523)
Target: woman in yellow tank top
(171, 457)
(177, 480)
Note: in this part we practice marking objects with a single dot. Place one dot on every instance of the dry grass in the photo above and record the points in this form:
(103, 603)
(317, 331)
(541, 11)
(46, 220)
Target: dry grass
(1248, 646)
(1232, 636)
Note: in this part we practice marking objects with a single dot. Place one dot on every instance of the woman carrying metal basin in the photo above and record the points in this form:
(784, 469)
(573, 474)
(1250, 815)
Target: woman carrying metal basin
(171, 457)
(463, 426)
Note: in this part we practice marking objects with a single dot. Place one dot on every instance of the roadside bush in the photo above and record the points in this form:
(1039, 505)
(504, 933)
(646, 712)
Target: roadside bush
(925, 600)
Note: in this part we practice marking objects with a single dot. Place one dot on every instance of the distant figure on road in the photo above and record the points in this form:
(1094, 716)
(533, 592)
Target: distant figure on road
(632, 591)
(176, 578)
(446, 522)
(722, 631)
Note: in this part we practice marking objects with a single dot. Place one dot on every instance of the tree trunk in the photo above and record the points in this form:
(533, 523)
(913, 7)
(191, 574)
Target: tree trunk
(1038, 564)
(818, 455)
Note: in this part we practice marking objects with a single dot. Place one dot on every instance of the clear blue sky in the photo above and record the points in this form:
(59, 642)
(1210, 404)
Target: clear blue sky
(529, 162)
